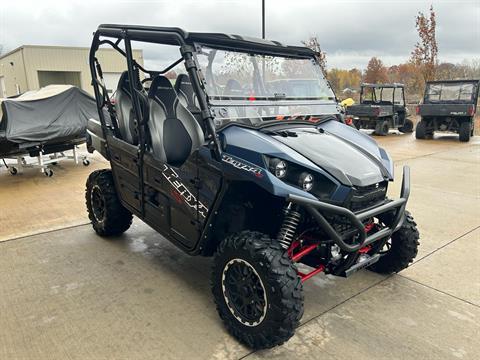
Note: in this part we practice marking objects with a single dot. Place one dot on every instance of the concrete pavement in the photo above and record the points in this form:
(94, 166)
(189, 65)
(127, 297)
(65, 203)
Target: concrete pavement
(70, 294)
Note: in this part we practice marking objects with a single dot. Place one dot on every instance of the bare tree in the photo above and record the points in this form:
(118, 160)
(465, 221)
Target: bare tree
(424, 55)
(320, 55)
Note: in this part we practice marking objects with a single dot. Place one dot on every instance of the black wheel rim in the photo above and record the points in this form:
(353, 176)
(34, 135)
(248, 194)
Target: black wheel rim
(98, 204)
(244, 292)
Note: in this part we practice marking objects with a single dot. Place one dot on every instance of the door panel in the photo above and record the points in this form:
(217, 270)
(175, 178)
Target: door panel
(124, 160)
(210, 178)
(172, 196)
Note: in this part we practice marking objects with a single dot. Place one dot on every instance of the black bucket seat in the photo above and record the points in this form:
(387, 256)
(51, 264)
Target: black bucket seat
(124, 111)
(174, 132)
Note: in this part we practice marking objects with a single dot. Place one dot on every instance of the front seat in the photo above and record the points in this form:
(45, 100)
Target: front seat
(174, 132)
(185, 93)
(124, 110)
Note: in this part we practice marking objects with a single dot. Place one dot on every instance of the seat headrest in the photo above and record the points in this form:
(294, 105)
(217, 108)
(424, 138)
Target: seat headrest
(163, 92)
(183, 80)
(184, 87)
(183, 84)
(124, 82)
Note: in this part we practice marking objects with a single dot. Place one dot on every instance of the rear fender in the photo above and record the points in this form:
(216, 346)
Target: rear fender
(95, 139)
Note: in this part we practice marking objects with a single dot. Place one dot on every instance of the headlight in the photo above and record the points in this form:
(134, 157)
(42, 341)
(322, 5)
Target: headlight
(278, 167)
(305, 180)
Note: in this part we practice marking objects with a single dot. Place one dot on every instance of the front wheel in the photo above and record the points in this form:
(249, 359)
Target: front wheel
(400, 250)
(107, 214)
(258, 293)
(382, 127)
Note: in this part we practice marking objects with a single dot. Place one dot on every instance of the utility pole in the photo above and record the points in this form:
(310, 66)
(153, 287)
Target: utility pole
(263, 19)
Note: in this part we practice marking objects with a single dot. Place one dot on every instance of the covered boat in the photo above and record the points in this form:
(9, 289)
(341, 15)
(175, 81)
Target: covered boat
(44, 121)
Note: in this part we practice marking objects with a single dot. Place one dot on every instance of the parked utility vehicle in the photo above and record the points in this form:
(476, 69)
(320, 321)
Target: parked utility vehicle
(262, 181)
(448, 105)
(382, 107)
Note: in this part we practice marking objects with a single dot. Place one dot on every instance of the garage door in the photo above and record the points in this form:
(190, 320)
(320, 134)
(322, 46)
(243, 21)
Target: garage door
(59, 78)
(111, 81)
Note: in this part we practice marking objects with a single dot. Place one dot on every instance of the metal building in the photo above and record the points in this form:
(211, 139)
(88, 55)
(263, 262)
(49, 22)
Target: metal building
(30, 67)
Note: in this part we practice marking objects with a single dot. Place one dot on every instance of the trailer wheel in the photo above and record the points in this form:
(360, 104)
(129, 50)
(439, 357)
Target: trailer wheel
(421, 130)
(107, 214)
(382, 128)
(407, 126)
(464, 131)
(85, 162)
(258, 294)
(48, 172)
(13, 170)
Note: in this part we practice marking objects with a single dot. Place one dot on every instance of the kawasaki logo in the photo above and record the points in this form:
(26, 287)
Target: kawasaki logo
(242, 166)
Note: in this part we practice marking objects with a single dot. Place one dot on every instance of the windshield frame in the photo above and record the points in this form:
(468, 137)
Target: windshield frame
(221, 100)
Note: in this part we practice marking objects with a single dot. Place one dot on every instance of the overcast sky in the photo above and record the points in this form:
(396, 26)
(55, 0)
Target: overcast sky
(349, 31)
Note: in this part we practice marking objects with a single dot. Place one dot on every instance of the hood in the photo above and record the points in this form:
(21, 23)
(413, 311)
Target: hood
(343, 159)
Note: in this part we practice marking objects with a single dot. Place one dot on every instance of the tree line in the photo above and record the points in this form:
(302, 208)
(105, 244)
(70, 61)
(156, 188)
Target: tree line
(422, 65)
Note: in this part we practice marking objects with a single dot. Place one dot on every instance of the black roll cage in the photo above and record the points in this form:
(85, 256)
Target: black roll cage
(474, 82)
(381, 87)
(186, 41)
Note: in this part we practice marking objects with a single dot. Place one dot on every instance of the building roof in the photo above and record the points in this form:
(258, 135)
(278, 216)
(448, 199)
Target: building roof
(53, 47)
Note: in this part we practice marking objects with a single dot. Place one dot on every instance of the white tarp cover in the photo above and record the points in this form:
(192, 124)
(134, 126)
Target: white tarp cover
(55, 112)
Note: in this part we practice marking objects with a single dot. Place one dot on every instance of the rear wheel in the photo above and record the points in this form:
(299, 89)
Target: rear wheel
(258, 293)
(421, 130)
(382, 128)
(107, 214)
(407, 126)
(400, 250)
(464, 131)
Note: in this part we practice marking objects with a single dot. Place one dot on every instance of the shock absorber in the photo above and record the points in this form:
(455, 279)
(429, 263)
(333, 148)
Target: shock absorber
(287, 231)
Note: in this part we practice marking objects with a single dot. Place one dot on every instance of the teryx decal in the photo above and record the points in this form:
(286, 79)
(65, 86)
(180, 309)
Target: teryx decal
(242, 166)
(182, 192)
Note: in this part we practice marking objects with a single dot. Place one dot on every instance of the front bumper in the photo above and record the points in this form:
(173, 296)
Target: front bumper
(397, 207)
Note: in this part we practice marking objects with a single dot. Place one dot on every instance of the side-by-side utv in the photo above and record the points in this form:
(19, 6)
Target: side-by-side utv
(382, 107)
(448, 105)
(230, 161)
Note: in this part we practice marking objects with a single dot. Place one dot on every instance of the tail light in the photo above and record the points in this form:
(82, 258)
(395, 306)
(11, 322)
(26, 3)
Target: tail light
(471, 110)
(348, 120)
(417, 110)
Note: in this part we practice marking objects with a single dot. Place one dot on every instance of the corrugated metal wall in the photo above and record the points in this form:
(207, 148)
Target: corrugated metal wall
(28, 60)
(13, 73)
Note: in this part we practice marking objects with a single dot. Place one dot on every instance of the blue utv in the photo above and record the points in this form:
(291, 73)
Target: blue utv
(243, 156)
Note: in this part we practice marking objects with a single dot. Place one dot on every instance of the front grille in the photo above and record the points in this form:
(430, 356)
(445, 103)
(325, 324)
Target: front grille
(368, 196)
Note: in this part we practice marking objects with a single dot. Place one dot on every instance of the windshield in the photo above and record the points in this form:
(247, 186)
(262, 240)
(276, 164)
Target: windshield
(453, 92)
(260, 88)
